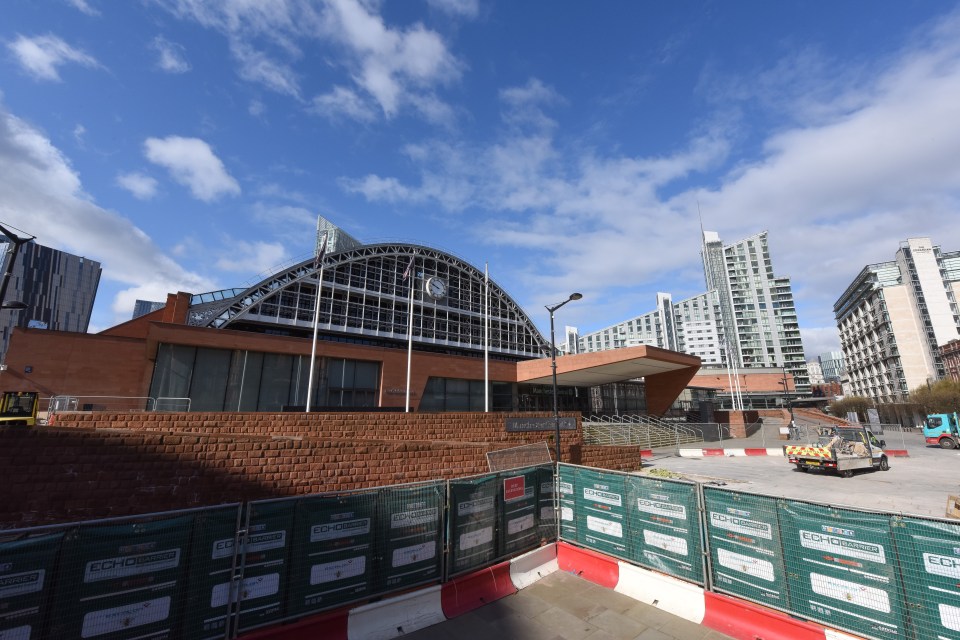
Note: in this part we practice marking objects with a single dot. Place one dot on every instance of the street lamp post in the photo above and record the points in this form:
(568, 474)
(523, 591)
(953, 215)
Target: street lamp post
(553, 356)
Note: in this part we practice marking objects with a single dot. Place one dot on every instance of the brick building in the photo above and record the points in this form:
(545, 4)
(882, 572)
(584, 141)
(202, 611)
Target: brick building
(381, 310)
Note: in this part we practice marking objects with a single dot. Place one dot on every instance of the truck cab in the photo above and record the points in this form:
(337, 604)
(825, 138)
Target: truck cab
(942, 429)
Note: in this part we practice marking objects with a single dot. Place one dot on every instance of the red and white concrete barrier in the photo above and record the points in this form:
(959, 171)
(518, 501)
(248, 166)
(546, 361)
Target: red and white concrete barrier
(731, 452)
(734, 617)
(406, 613)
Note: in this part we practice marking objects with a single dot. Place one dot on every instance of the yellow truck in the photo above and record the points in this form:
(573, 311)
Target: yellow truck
(19, 408)
(844, 450)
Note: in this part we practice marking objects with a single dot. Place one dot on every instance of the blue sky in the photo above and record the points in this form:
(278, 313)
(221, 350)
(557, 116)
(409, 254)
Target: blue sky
(190, 144)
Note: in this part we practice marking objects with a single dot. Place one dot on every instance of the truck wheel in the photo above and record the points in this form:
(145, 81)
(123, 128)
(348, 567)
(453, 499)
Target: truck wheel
(847, 474)
(947, 443)
(884, 464)
(800, 467)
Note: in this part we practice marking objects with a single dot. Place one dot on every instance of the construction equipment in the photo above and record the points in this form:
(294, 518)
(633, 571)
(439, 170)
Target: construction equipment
(19, 408)
(844, 450)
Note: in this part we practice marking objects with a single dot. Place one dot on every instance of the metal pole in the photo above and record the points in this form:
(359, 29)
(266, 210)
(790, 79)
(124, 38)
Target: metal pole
(553, 362)
(556, 409)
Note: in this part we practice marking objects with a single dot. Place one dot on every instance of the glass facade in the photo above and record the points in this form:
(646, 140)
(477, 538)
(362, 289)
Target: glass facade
(225, 380)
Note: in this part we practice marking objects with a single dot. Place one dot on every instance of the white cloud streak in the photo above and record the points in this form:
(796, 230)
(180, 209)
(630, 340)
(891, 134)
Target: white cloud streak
(192, 163)
(142, 186)
(42, 55)
(171, 57)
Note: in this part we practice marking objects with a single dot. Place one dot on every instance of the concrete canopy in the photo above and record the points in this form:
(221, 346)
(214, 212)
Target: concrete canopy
(666, 373)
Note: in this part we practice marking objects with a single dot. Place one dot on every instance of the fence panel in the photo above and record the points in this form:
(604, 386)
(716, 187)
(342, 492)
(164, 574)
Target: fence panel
(212, 563)
(842, 568)
(28, 569)
(411, 535)
(520, 510)
(929, 554)
(601, 512)
(264, 562)
(567, 488)
(332, 556)
(665, 527)
(123, 579)
(743, 536)
(474, 518)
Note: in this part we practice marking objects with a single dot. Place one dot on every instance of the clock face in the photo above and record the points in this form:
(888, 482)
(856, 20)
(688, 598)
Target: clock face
(436, 288)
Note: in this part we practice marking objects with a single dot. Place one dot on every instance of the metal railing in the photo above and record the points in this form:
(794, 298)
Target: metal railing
(71, 403)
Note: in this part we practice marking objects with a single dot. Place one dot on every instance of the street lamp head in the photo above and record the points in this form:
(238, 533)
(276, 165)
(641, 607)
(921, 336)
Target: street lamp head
(575, 296)
(14, 305)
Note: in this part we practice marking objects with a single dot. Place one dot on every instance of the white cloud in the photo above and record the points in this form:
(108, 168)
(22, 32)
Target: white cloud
(396, 68)
(343, 102)
(83, 6)
(171, 57)
(79, 132)
(192, 163)
(391, 63)
(256, 108)
(458, 8)
(256, 66)
(40, 56)
(252, 257)
(42, 194)
(142, 186)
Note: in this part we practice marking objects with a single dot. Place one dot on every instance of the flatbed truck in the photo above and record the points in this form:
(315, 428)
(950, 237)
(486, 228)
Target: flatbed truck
(844, 450)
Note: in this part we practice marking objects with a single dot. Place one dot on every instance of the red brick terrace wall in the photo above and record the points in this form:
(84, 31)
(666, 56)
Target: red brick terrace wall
(110, 464)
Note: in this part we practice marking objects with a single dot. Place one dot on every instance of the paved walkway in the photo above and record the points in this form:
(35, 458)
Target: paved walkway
(562, 606)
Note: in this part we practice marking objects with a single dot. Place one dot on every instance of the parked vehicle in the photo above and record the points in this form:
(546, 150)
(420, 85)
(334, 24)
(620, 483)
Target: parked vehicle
(844, 450)
(19, 408)
(942, 429)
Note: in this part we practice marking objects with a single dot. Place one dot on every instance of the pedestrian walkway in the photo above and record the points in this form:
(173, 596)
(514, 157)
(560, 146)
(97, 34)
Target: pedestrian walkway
(562, 606)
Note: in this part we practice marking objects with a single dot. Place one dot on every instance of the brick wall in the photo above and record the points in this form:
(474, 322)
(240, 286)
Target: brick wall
(110, 464)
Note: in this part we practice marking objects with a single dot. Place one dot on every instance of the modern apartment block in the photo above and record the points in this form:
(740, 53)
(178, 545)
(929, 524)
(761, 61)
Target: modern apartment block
(143, 307)
(832, 365)
(746, 319)
(57, 288)
(760, 327)
(689, 326)
(894, 316)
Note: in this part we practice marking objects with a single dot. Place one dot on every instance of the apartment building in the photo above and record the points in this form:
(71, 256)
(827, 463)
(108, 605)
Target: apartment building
(894, 316)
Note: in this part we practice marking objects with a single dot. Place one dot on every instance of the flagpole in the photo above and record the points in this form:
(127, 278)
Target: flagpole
(317, 261)
(486, 337)
(413, 282)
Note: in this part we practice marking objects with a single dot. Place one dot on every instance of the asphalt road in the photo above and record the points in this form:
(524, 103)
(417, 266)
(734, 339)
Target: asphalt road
(919, 484)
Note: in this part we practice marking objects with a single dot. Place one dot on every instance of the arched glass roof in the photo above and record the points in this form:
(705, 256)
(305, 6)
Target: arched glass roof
(365, 293)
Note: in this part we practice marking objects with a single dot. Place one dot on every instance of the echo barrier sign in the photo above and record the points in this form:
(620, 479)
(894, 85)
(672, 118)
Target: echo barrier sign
(601, 512)
(331, 560)
(744, 537)
(929, 555)
(124, 580)
(412, 534)
(665, 527)
(473, 522)
(27, 568)
(842, 569)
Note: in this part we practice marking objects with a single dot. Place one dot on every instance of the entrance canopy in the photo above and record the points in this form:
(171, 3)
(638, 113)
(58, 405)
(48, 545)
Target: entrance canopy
(665, 372)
